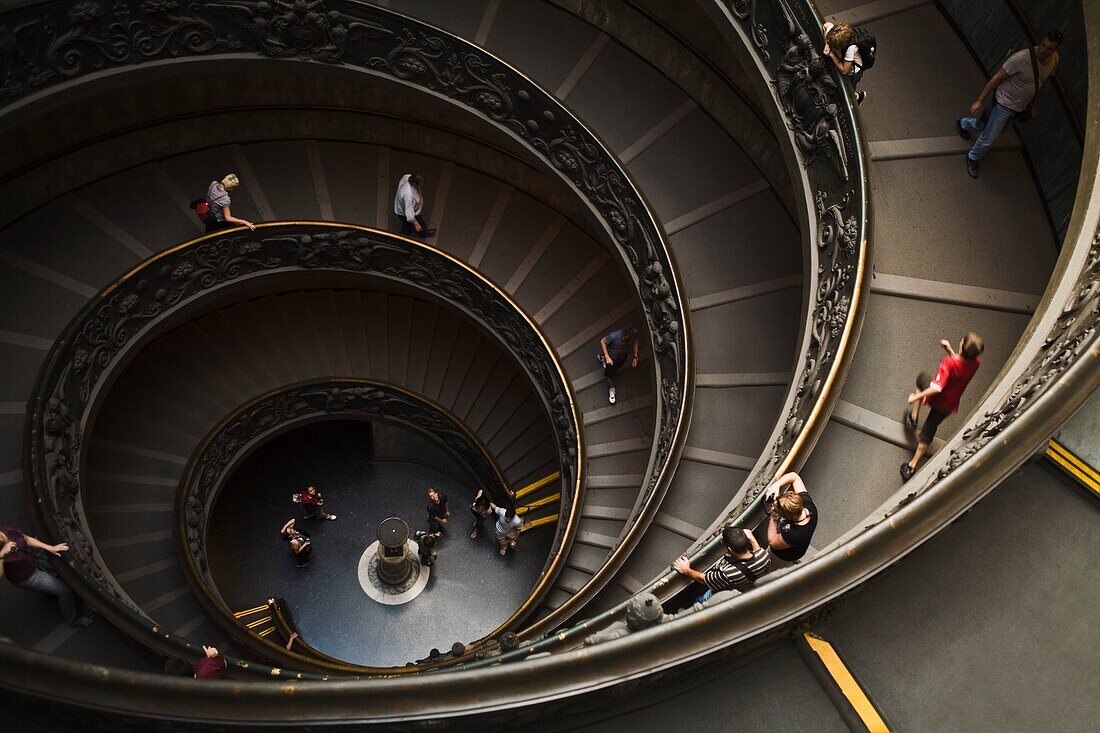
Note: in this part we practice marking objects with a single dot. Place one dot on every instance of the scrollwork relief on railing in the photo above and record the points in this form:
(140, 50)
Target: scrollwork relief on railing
(46, 43)
(103, 332)
(809, 95)
(1071, 335)
(262, 418)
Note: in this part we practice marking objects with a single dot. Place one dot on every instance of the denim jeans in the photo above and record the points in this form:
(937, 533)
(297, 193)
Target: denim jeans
(990, 124)
(52, 585)
(705, 597)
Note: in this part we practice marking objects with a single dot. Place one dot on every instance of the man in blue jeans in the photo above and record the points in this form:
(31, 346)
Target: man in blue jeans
(1015, 89)
(25, 568)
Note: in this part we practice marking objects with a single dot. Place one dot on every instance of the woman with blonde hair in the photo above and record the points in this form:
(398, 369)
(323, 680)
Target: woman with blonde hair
(219, 215)
(851, 50)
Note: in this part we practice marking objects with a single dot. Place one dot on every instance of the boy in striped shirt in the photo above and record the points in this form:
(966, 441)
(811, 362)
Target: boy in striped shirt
(744, 562)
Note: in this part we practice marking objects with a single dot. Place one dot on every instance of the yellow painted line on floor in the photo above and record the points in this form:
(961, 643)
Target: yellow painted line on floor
(259, 622)
(847, 684)
(250, 611)
(538, 484)
(267, 631)
(539, 502)
(541, 521)
(1073, 465)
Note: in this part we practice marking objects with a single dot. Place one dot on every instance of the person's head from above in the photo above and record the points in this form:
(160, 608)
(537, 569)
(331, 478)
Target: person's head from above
(428, 541)
(1050, 43)
(433, 496)
(971, 346)
(839, 37)
(735, 540)
(416, 181)
(510, 514)
(311, 490)
(789, 505)
(629, 333)
(231, 181)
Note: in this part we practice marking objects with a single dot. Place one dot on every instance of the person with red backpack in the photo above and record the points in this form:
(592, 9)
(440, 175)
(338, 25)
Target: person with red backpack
(214, 210)
(852, 51)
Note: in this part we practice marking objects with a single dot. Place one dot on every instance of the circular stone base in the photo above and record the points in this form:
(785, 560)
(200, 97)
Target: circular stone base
(386, 594)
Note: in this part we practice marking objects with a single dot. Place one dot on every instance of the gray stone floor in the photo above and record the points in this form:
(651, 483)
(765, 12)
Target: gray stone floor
(471, 590)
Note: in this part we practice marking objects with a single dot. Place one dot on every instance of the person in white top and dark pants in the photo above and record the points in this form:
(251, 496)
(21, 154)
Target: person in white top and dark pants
(408, 204)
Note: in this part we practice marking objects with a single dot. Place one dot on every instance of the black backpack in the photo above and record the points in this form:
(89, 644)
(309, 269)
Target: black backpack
(864, 40)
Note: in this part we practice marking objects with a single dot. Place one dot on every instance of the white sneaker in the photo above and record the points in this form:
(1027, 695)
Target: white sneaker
(611, 395)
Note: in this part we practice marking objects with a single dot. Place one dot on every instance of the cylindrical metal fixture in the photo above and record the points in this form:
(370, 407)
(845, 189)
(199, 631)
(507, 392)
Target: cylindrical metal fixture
(394, 566)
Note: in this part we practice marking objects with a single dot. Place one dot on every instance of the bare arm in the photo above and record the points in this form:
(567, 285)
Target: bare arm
(931, 390)
(635, 362)
(39, 545)
(286, 526)
(606, 354)
(988, 89)
(790, 479)
(752, 540)
(947, 347)
(237, 220)
(844, 67)
(683, 566)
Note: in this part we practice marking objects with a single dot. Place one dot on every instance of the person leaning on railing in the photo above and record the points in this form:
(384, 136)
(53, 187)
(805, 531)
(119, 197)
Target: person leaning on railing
(745, 561)
(24, 566)
(792, 517)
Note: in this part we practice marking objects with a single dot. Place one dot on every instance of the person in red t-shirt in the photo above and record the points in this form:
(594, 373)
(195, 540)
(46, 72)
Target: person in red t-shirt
(941, 394)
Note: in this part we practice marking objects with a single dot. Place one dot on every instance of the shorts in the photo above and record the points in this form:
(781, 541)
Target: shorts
(935, 417)
(610, 370)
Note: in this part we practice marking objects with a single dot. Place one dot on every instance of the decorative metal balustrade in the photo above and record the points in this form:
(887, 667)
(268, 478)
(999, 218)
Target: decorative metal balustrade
(1052, 371)
(257, 422)
(54, 43)
(151, 298)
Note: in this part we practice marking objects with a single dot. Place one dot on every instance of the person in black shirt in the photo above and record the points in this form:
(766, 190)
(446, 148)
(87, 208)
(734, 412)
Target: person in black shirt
(792, 518)
(481, 508)
(438, 512)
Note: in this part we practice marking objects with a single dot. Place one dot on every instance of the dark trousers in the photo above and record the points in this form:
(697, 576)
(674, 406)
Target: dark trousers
(409, 230)
(51, 584)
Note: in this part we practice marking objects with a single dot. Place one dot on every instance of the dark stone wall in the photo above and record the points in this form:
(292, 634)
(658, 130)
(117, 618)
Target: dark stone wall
(993, 31)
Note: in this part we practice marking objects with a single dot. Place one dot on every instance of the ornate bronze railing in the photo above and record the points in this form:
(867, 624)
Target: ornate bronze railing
(1053, 369)
(813, 103)
(257, 422)
(150, 298)
(56, 42)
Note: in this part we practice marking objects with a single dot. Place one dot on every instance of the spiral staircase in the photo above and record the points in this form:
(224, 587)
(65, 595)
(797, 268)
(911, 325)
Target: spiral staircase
(785, 351)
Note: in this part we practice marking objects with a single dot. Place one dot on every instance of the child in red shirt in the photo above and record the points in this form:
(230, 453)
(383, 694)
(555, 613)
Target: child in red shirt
(941, 394)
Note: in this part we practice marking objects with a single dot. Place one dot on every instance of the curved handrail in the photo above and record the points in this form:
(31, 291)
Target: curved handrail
(1052, 371)
(132, 309)
(279, 410)
(812, 101)
(90, 38)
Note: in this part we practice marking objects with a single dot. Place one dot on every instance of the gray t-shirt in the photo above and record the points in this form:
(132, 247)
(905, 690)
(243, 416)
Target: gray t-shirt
(218, 198)
(1017, 91)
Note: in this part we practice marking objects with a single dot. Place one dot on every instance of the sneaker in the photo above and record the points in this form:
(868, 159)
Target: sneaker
(910, 421)
(860, 96)
(503, 552)
(473, 535)
(81, 622)
(972, 167)
(330, 517)
(611, 395)
(906, 472)
(963, 132)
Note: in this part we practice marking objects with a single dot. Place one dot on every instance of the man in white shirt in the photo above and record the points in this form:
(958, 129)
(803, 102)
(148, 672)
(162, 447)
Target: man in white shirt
(408, 203)
(1015, 89)
(508, 528)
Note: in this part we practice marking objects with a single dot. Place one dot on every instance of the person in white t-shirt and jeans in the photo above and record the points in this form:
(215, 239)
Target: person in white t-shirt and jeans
(841, 47)
(1015, 89)
(508, 527)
